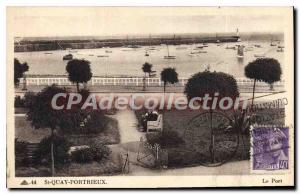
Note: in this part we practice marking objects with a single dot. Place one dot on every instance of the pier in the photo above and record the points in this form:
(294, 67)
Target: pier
(56, 44)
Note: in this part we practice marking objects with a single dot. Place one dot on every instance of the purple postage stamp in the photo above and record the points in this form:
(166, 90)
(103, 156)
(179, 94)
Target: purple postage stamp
(270, 148)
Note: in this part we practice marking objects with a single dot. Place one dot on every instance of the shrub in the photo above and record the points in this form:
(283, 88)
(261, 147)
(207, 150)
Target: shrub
(100, 151)
(179, 157)
(96, 152)
(21, 153)
(93, 122)
(19, 102)
(61, 148)
(29, 98)
(83, 155)
(166, 138)
(96, 122)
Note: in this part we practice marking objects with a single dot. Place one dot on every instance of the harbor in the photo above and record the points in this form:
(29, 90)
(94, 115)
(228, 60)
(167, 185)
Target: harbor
(40, 44)
(186, 58)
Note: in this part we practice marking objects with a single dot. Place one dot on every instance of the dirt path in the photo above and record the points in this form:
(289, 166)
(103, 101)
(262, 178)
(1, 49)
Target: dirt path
(128, 126)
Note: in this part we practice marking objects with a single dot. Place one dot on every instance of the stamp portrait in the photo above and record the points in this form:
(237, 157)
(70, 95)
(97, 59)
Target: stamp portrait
(270, 148)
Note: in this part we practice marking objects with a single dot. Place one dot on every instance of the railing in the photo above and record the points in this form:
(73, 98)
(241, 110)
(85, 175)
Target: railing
(125, 81)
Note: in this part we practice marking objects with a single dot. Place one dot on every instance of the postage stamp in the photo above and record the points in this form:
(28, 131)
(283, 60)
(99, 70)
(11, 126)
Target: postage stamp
(270, 148)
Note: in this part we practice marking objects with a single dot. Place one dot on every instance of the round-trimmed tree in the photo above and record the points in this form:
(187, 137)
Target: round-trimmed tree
(203, 83)
(263, 69)
(147, 69)
(169, 75)
(79, 71)
(210, 83)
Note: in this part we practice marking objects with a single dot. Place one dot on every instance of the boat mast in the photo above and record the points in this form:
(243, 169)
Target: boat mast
(226, 28)
(168, 50)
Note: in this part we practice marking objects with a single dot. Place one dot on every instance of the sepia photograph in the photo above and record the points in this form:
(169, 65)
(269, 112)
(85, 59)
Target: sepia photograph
(138, 97)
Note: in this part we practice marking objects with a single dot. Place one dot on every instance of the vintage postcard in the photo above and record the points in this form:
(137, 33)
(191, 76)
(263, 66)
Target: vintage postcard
(150, 97)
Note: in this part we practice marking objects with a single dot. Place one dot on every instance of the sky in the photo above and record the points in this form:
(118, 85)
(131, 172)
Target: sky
(97, 21)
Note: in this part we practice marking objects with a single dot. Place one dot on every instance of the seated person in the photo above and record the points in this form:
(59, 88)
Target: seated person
(149, 116)
(152, 116)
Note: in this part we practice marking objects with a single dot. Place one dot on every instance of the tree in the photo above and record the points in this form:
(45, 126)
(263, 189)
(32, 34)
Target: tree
(210, 83)
(19, 69)
(207, 82)
(263, 69)
(169, 75)
(79, 71)
(42, 115)
(29, 99)
(61, 147)
(147, 69)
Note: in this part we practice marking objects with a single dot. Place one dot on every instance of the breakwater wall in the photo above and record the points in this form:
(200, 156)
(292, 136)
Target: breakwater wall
(46, 45)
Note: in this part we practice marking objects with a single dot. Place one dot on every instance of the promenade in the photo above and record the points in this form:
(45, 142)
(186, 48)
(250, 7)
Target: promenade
(247, 88)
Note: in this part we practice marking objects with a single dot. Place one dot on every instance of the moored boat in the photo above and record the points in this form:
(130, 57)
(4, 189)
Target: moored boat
(240, 51)
(259, 55)
(68, 57)
(280, 49)
(257, 46)
(169, 56)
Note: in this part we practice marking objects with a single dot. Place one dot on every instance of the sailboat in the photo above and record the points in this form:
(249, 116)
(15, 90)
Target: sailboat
(217, 40)
(263, 55)
(238, 35)
(240, 51)
(169, 56)
(280, 47)
(257, 46)
(151, 48)
(196, 51)
(272, 43)
(147, 54)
